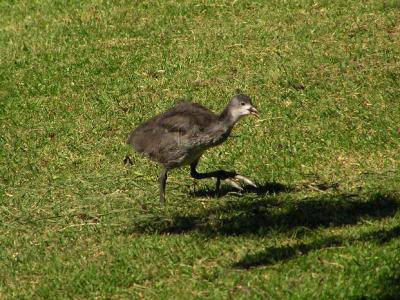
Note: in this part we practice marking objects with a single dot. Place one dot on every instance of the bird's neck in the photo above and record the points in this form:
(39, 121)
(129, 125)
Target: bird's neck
(227, 118)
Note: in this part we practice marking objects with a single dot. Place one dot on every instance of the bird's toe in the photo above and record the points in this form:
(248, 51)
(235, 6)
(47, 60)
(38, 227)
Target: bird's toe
(233, 183)
(246, 180)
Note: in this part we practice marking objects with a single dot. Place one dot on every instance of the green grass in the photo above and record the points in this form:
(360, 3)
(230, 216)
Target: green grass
(77, 76)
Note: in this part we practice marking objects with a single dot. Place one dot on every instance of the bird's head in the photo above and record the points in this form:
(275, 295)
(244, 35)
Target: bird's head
(240, 105)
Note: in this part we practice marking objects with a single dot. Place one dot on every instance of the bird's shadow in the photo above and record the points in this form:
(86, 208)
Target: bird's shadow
(260, 189)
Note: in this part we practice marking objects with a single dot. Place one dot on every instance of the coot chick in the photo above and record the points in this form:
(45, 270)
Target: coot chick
(180, 135)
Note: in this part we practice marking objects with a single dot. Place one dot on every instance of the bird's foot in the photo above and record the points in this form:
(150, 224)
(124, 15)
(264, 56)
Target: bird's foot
(233, 183)
(245, 180)
(237, 179)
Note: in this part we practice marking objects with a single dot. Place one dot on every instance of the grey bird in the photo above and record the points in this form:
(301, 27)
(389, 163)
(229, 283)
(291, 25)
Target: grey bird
(180, 135)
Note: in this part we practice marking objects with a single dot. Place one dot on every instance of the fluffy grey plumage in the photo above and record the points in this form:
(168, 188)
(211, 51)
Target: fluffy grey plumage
(180, 135)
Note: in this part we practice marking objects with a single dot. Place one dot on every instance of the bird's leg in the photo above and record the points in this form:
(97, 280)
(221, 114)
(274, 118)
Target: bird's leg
(217, 187)
(163, 181)
(197, 175)
(229, 177)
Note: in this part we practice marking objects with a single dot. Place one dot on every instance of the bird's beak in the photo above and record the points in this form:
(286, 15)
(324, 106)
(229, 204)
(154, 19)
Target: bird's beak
(254, 111)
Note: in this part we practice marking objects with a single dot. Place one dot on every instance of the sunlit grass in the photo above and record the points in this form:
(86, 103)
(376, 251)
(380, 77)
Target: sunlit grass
(76, 77)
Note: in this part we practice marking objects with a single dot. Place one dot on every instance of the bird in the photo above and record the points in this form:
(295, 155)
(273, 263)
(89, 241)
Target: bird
(180, 135)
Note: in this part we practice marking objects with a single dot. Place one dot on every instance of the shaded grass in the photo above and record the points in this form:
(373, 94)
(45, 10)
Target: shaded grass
(259, 216)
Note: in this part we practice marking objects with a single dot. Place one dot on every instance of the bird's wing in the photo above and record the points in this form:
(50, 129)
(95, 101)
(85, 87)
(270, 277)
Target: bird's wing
(193, 126)
(187, 119)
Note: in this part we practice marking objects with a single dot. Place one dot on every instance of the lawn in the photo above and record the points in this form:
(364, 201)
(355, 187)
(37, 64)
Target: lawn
(324, 222)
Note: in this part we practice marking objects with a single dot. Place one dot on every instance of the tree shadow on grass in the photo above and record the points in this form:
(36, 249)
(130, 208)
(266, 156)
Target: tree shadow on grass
(272, 255)
(388, 279)
(284, 212)
(261, 214)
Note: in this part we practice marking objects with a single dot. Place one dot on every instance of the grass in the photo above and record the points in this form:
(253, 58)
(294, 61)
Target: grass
(77, 76)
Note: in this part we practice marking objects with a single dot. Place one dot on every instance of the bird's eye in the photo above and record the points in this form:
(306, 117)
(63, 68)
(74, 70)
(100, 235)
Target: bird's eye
(242, 103)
